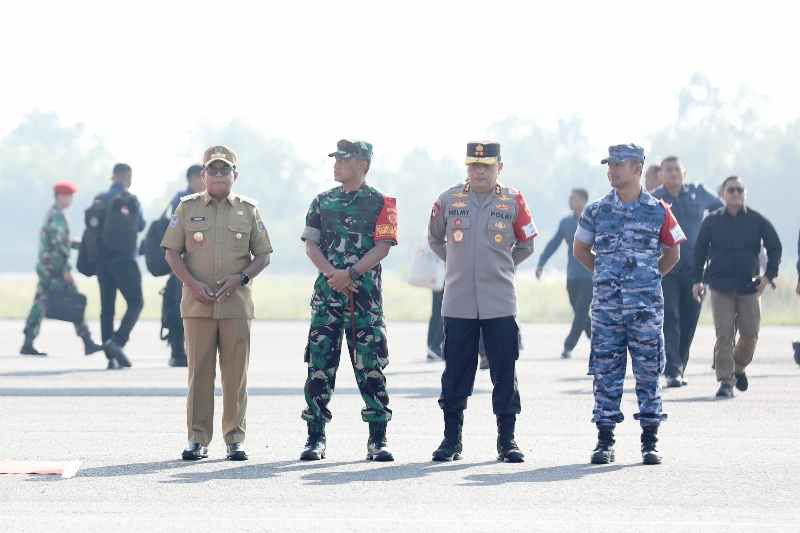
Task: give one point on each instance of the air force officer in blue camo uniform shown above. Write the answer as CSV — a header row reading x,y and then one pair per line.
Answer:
x,y
628,239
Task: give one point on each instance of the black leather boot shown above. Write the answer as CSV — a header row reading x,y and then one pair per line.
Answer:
x,y
28,349
450,449
650,455
315,445
507,449
376,445
603,453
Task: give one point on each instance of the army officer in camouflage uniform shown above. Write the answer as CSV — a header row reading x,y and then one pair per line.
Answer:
x,y
54,271
483,231
629,240
216,243
349,231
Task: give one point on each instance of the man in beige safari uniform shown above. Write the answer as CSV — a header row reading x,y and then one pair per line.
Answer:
x,y
215,244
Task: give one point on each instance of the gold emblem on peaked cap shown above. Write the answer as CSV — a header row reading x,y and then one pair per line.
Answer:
x,y
479,149
220,153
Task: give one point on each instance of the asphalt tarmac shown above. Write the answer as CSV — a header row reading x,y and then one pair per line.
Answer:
x,y
728,465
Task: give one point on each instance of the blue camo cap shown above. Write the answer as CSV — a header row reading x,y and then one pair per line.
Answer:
x,y
622,152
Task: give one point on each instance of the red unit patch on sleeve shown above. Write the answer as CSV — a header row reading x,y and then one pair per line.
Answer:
x,y
386,225
524,228
671,232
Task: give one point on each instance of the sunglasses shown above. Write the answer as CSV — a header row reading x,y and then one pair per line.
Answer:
x,y
219,171
732,190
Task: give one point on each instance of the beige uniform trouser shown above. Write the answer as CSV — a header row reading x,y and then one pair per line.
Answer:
x,y
734,312
204,338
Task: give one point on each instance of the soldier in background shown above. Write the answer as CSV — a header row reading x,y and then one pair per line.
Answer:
x,y
349,230
483,231
628,239
171,310
652,178
54,271
579,281
796,345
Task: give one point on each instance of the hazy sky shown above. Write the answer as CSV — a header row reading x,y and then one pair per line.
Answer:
x,y
147,77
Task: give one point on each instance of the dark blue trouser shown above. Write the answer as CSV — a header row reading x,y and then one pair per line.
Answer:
x,y
681,313
123,275
461,336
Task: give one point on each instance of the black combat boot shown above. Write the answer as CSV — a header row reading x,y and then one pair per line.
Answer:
x,y
315,445
376,445
507,449
28,349
603,453
89,346
450,449
650,455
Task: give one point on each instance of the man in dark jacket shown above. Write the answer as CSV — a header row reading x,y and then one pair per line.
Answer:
x,y
730,240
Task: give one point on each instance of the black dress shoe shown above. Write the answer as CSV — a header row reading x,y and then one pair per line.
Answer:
x,y
724,392
114,351
194,452
113,365
741,382
236,452
673,382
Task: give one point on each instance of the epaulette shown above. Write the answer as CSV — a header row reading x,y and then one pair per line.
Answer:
x,y
246,200
193,196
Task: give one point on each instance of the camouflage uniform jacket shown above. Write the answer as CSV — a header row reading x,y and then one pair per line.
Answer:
x,y
628,240
347,225
54,245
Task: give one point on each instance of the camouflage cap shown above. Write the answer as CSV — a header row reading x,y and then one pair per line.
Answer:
x,y
352,150
622,152
486,153
220,153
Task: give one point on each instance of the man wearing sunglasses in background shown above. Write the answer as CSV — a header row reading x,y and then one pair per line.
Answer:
x,y
215,244
730,240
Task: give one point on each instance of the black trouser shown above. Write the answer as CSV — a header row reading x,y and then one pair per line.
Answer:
x,y
580,298
681,312
501,336
435,327
123,275
171,316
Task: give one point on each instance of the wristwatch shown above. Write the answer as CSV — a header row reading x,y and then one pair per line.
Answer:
x,y
354,275
244,279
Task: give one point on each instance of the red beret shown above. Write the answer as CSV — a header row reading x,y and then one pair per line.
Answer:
x,y
65,187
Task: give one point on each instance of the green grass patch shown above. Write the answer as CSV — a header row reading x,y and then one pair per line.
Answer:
x,y
287,298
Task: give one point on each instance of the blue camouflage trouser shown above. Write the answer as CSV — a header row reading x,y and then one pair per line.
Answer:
x,y
619,327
